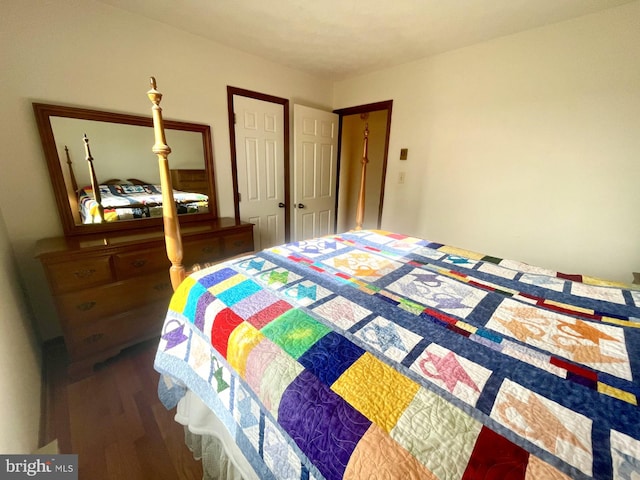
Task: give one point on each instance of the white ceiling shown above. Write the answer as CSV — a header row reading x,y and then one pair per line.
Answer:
x,y
336,39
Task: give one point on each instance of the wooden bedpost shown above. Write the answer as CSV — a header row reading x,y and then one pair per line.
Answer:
x,y
94,181
172,237
363,178
74,183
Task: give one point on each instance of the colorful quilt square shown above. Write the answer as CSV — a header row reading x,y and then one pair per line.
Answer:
x,y
305,293
180,296
461,252
597,345
460,261
324,426
273,311
254,303
276,377
295,331
362,265
457,375
255,265
330,356
564,433
224,322
261,356
315,247
241,341
241,290
495,457
376,389
388,338
175,336
216,276
427,423
378,456
278,278
407,243
437,291
341,312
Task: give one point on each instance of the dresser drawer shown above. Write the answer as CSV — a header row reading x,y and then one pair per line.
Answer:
x,y
136,264
201,251
74,275
116,331
238,243
93,303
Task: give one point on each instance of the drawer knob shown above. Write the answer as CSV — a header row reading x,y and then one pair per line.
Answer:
x,y
138,263
161,286
86,273
85,306
238,243
207,249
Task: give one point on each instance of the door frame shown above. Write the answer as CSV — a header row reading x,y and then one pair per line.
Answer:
x,y
231,91
359,109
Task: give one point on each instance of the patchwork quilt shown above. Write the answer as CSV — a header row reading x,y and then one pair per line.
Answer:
x,y
377,355
126,201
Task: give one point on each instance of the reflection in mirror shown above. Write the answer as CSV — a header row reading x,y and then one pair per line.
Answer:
x,y
125,168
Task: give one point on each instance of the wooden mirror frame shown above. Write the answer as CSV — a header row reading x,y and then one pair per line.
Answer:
x,y
44,112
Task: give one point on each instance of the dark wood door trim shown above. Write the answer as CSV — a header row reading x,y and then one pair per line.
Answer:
x,y
359,109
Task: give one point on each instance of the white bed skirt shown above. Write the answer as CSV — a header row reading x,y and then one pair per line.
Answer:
x,y
209,440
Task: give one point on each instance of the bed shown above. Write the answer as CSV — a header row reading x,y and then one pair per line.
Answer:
x,y
116,199
373,354
125,200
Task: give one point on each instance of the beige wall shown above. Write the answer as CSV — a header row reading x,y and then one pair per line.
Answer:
x,y
19,361
86,53
524,147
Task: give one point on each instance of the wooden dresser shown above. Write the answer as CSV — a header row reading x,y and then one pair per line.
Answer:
x,y
112,291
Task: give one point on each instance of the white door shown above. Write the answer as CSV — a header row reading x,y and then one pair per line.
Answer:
x,y
314,172
259,135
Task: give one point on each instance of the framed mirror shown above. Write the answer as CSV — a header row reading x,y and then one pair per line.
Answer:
x,y
125,168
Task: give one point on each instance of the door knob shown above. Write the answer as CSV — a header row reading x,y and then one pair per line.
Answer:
x,y
301,205
281,205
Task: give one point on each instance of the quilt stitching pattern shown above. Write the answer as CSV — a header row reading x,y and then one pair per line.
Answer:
x,y
460,346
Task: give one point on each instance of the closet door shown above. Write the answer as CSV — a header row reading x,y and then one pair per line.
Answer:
x,y
314,172
259,137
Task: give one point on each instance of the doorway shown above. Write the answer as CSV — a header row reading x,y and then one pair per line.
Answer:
x,y
259,138
376,117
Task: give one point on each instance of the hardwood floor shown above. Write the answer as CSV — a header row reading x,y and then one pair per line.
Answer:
x,y
113,419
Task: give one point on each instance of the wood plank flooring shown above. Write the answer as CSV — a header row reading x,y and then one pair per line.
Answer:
x,y
114,421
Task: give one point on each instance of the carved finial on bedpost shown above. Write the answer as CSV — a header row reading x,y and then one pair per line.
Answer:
x,y
363,178
94,181
172,237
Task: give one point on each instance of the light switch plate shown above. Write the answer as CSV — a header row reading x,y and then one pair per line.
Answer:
x,y
404,153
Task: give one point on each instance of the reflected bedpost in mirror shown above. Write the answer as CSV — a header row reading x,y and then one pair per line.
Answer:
x,y
125,169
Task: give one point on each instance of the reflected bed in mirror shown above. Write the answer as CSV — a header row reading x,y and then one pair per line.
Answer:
x,y
125,169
